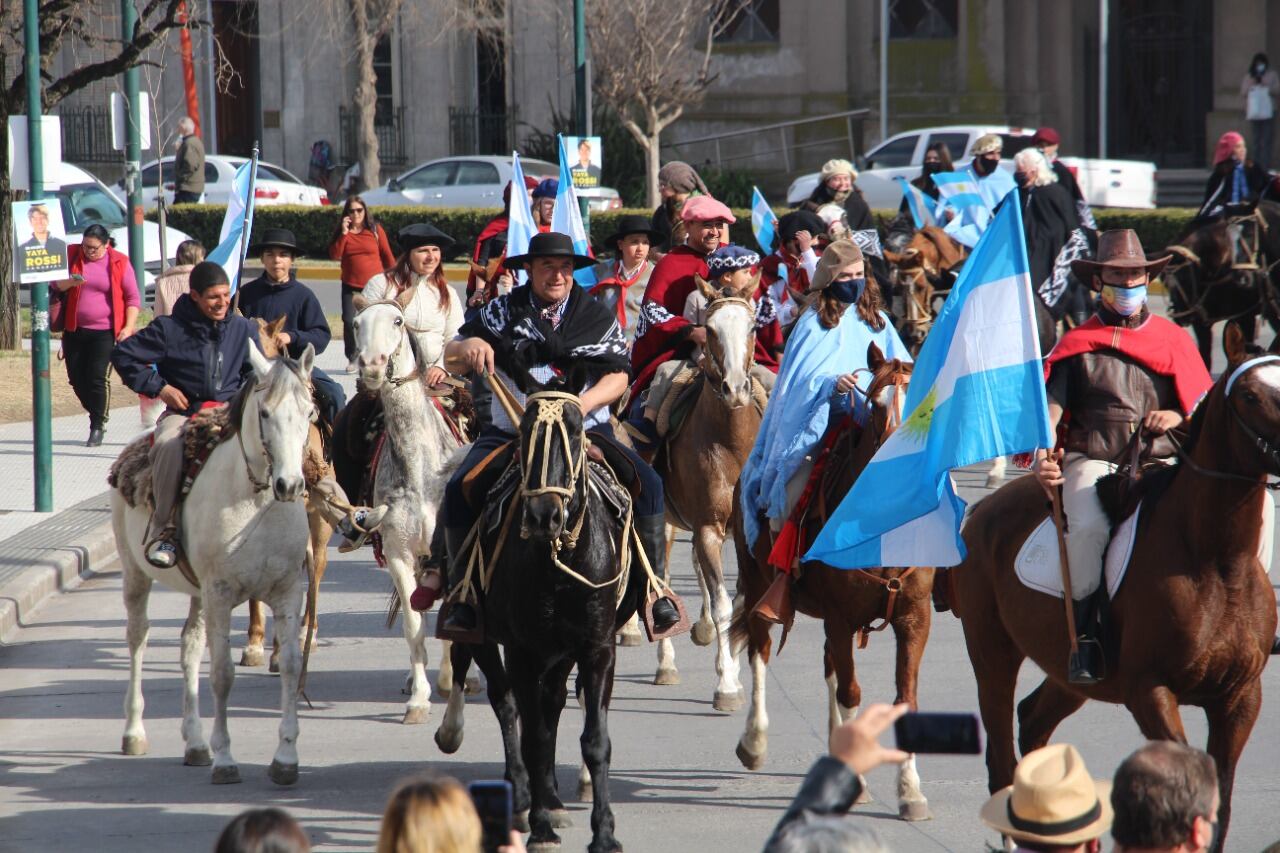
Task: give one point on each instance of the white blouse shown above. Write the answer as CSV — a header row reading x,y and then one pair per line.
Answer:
x,y
433,326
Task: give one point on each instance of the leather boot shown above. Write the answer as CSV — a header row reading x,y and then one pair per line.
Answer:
x,y
775,606
462,615
1085,665
652,531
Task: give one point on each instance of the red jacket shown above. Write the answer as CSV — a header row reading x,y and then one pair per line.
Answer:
x,y
117,263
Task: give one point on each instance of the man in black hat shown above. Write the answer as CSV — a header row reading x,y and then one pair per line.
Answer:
x,y
621,281
276,293
788,271
549,327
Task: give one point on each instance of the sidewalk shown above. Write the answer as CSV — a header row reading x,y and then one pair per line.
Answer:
x,y
41,553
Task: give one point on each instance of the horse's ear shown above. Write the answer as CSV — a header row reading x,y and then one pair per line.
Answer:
x,y
875,358
307,360
1233,343
276,326
261,364
893,257
404,297
359,302
705,288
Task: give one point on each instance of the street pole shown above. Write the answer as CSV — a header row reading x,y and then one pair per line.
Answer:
x,y
580,103
133,149
1103,38
41,398
884,70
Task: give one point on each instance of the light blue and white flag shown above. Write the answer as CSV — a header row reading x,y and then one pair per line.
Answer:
x,y
520,227
237,224
977,392
920,205
763,222
567,216
959,192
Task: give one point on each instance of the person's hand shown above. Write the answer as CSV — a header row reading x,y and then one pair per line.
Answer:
x,y
515,845
1048,469
476,298
846,383
857,742
504,284
173,398
1161,421
435,375
346,225
282,340
126,332
68,283
698,335
803,241
477,355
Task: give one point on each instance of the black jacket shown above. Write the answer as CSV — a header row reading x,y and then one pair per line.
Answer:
x,y
1048,218
1217,190
856,209
304,320
206,361
829,789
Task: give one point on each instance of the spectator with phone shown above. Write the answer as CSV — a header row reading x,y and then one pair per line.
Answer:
x,y
263,831
361,246
1259,88
435,815
1166,798
1053,805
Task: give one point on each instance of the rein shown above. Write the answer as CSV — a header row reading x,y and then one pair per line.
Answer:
x,y
1267,448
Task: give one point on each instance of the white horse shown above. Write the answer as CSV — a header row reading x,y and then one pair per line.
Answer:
x,y
420,455
244,532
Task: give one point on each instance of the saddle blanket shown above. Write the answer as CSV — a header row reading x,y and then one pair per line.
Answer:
x,y
1037,562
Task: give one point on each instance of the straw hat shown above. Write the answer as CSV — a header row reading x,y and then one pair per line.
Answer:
x,y
1052,800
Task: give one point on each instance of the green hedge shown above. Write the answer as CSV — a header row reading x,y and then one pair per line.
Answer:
x,y
314,225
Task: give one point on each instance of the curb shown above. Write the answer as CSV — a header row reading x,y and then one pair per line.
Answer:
x,y
55,569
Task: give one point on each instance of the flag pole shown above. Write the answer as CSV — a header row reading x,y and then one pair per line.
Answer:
x,y
244,227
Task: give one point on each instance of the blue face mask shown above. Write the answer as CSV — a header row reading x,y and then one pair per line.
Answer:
x,y
1125,301
848,291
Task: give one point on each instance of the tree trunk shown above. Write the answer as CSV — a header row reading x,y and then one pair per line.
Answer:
x,y
10,316
366,98
652,163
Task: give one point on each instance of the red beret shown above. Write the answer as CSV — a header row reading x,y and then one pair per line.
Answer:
x,y
1046,136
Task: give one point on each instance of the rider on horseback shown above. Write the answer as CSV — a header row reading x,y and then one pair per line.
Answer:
x,y
787,272
526,337
194,359
1123,370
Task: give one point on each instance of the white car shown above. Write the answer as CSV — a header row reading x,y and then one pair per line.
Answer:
x,y
471,182
85,200
1105,183
273,185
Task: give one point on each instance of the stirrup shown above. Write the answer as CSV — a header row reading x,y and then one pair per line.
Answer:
x,y
162,552
361,533
1086,665
467,636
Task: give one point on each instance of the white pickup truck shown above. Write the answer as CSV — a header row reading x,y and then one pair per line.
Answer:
x,y
1105,183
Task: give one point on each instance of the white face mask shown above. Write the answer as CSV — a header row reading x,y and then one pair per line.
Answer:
x,y
1259,67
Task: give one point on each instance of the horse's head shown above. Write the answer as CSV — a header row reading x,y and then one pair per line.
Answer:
x,y
886,392
1251,396
383,348
553,461
731,340
278,409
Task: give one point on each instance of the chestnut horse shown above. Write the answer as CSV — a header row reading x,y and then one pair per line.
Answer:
x,y
1192,623
926,268
847,602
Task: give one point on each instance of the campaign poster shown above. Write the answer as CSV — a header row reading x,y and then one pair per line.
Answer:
x,y
39,241
585,155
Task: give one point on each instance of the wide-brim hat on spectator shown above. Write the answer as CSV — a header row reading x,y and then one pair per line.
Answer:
x,y
1053,800
704,208
729,258
422,234
789,224
987,144
633,224
1121,250
835,257
549,244
275,238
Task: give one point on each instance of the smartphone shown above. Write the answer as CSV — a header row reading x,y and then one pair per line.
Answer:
x,y
493,803
946,733
76,277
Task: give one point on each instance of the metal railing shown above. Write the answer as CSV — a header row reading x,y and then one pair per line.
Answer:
x,y
481,132
786,134
86,136
390,131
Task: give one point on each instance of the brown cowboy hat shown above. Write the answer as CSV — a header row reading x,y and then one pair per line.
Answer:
x,y
1052,800
1121,250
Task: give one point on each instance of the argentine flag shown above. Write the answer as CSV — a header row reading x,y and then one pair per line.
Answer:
x,y
960,192
567,217
762,221
920,205
520,227
233,239
977,392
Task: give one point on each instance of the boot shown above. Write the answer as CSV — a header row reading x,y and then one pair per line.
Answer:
x,y
644,437
775,607
1085,665
652,530
358,524
462,617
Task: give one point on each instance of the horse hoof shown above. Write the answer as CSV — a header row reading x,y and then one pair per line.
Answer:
x,y
134,745
750,760
226,775
914,811
520,821
416,715
703,633
629,638
274,666
252,657
543,846
197,757
472,686
449,744
282,774
667,676
729,702
560,819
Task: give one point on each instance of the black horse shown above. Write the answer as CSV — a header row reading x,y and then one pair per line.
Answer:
x,y
553,601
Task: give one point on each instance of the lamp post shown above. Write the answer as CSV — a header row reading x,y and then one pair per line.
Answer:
x,y
41,399
581,100
133,147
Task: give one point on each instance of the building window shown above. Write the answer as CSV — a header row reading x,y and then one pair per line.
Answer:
x,y
923,19
384,85
758,21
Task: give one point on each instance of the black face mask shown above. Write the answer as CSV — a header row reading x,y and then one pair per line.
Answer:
x,y
1020,179
983,166
848,291
931,168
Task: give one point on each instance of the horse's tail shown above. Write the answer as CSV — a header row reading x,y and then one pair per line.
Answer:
x,y
738,625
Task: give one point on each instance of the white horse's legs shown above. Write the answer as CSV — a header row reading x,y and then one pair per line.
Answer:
x,y
196,753
912,804
400,566
995,477
286,614
838,714
217,616
707,545
667,672
137,590
444,678
704,629
630,634
753,746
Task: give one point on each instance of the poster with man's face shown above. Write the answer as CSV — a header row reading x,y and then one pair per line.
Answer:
x,y
39,241
585,160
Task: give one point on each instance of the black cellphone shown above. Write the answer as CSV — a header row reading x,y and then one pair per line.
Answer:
x,y
493,803
946,733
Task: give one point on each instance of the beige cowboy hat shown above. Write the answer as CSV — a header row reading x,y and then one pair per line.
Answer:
x,y
835,257
1120,249
1052,800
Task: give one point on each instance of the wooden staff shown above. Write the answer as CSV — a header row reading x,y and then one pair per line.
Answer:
x,y
1065,566
510,404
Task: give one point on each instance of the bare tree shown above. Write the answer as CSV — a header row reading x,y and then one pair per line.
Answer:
x,y
651,59
65,24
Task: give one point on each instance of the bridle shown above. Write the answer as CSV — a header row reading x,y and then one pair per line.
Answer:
x,y
549,427
899,380
405,328
264,483
1269,449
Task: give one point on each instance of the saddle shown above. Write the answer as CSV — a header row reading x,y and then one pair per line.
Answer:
x,y
679,402
130,474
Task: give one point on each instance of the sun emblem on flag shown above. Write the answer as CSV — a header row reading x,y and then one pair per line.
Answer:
x,y
917,425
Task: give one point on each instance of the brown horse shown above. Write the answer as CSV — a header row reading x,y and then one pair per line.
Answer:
x,y
700,466
847,602
924,273
1192,623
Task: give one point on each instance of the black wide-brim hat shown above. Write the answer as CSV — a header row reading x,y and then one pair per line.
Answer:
x,y
275,238
633,224
422,234
549,244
